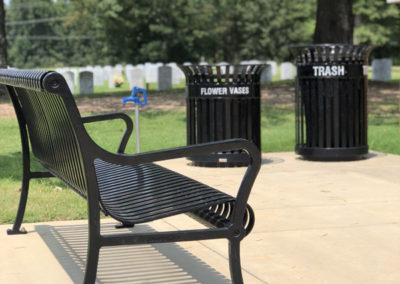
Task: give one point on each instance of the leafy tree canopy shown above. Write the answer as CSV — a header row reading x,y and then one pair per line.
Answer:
x,y
82,32
378,23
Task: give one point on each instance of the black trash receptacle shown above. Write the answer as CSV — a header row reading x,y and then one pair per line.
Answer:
x,y
331,101
223,102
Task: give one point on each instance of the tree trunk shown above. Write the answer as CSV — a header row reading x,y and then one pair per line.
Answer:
x,y
335,22
3,41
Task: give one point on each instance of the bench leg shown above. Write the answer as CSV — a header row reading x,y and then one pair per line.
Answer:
x,y
123,225
234,262
21,209
92,261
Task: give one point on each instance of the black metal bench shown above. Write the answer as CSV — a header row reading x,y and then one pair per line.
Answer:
x,y
129,188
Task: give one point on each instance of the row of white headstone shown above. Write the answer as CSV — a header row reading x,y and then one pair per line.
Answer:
x,y
287,70
164,76
382,69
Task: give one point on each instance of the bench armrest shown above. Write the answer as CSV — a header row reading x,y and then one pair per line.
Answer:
x,y
200,149
185,151
116,115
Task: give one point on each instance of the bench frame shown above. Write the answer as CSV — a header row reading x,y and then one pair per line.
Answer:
x,y
54,83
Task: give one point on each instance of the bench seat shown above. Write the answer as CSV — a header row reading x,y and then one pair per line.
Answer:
x,y
146,192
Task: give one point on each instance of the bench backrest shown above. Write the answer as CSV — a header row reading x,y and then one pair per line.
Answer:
x,y
44,103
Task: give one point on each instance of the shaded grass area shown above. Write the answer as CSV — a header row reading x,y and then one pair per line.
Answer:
x,y
396,73
384,127
277,128
50,199
278,131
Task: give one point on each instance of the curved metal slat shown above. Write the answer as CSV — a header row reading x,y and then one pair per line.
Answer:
x,y
328,53
215,74
148,192
27,79
52,134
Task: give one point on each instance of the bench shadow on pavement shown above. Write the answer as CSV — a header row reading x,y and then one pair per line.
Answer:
x,y
153,263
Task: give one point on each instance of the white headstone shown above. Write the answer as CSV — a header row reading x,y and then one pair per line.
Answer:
x,y
86,82
253,61
135,77
98,76
266,75
187,63
128,68
151,72
106,72
69,78
60,70
71,71
164,78
115,74
177,74
75,71
274,66
181,75
286,71
382,69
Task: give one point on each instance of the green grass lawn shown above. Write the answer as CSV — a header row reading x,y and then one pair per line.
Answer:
x,y
50,200
396,73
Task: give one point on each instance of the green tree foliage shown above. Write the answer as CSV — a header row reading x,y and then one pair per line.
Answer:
x,y
23,51
193,30
378,23
56,41
283,23
262,29
149,30
126,31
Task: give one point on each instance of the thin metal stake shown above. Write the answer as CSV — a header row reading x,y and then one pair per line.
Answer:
x,y
137,130
138,100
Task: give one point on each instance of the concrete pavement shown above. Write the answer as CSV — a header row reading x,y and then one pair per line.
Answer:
x,y
316,222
